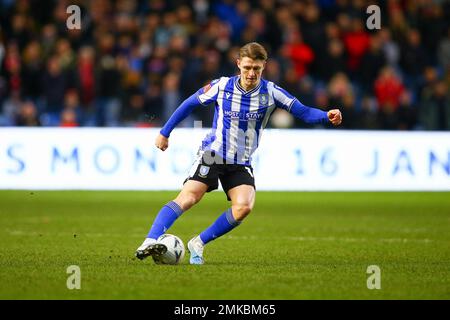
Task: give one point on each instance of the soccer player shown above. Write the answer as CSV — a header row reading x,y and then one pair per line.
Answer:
x,y
243,105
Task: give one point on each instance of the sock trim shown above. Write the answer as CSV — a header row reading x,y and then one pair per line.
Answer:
x,y
231,220
175,207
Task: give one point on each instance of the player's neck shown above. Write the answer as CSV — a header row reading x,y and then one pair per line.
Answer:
x,y
247,88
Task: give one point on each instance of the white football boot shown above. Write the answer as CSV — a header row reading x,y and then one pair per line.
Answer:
x,y
150,248
195,247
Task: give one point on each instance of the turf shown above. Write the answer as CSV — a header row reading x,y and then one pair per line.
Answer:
x,y
292,246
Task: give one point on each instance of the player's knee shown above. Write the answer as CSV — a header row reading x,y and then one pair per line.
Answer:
x,y
187,200
240,211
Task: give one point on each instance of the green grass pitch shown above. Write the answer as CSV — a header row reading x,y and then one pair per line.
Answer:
x,y
294,245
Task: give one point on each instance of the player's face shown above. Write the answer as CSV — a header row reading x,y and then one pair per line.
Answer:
x,y
251,71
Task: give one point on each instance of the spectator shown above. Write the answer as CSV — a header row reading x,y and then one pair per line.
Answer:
x,y
291,82
209,71
77,116
413,58
107,103
256,27
272,35
388,89
357,43
12,68
186,22
171,95
434,113
390,48
233,14
368,116
68,119
397,22
338,88
48,39
134,115
85,75
307,96
20,32
332,61
299,53
272,71
27,116
65,54
444,51
154,104
430,78
32,71
312,27
341,93
432,27
55,83
229,65
372,62
406,112
11,108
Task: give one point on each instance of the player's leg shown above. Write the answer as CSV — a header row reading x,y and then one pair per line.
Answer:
x,y
238,183
242,202
191,193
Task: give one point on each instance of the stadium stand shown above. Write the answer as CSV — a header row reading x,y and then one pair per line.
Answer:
x,y
133,62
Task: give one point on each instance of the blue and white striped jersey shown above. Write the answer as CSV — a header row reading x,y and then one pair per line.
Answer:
x,y
240,116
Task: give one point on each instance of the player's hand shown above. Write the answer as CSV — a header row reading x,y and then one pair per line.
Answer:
x,y
335,116
162,142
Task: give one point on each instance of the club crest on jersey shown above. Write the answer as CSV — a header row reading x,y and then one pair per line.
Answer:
x,y
264,99
203,172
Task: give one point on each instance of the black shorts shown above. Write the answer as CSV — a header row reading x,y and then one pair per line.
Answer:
x,y
210,172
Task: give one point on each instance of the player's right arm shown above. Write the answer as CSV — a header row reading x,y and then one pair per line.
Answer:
x,y
185,109
162,142
204,96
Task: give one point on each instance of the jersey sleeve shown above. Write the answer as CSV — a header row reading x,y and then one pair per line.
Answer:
x,y
288,102
281,97
184,110
208,93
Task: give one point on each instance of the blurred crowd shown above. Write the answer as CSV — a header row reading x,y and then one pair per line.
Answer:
x,y
133,62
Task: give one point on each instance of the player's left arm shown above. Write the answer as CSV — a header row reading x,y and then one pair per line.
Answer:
x,y
335,116
314,115
311,115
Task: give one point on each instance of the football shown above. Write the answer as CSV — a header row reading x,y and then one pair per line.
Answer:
x,y
175,250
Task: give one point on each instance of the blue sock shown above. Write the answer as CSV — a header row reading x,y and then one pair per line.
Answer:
x,y
164,220
225,223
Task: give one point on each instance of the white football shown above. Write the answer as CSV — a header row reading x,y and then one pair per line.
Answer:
x,y
175,250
